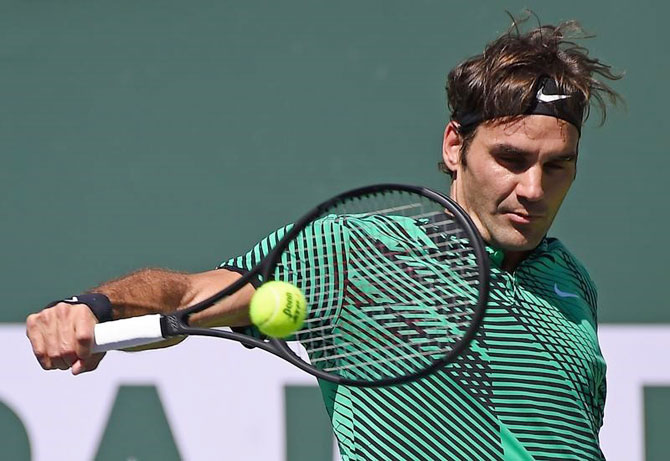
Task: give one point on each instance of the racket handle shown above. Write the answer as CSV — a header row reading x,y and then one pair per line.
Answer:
x,y
134,331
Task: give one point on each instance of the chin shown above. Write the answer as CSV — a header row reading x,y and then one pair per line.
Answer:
x,y
517,242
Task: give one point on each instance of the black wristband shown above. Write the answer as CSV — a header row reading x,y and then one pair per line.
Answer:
x,y
99,304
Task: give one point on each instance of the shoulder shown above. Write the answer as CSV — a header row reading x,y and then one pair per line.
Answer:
x,y
559,251
570,269
374,225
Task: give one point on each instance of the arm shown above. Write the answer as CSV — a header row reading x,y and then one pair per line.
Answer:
x,y
62,335
151,291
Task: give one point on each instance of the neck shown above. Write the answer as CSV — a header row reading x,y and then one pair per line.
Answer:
x,y
513,259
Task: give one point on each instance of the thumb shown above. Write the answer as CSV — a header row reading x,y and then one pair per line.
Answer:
x,y
88,364
78,367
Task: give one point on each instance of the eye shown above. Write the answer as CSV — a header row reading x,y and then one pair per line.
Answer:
x,y
560,164
512,162
556,166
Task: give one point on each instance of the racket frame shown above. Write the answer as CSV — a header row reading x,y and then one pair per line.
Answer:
x,y
177,323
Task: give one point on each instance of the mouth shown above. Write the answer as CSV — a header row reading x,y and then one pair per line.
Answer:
x,y
522,217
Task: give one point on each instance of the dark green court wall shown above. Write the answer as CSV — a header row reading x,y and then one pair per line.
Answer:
x,y
139,133
309,435
137,428
13,437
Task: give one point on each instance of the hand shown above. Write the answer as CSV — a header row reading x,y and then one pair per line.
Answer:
x,y
62,337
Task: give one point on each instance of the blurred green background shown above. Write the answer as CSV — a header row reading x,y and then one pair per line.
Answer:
x,y
136,133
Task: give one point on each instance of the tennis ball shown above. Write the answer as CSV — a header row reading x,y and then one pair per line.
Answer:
x,y
278,309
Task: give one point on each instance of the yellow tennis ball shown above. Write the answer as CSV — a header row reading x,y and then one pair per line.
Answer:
x,y
278,309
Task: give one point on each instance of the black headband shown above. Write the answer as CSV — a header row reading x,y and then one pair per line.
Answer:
x,y
548,100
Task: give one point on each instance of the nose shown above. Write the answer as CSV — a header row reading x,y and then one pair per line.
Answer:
x,y
529,186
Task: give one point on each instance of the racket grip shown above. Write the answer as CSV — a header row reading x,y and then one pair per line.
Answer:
x,y
134,331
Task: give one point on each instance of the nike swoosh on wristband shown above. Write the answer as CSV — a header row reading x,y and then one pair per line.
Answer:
x,y
564,294
549,97
73,299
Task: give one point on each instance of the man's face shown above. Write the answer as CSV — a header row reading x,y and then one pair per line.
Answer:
x,y
515,177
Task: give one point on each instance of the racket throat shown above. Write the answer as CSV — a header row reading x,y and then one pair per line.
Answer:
x,y
173,325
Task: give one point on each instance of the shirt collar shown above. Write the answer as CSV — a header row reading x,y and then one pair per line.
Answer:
x,y
497,255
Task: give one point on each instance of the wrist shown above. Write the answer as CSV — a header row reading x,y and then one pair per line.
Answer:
x,y
99,304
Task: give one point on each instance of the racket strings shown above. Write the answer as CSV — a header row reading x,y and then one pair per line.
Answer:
x,y
327,323
438,338
318,342
314,291
465,276
392,358
466,270
399,307
415,256
391,288
416,250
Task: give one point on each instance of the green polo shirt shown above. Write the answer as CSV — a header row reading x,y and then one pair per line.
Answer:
x,y
531,386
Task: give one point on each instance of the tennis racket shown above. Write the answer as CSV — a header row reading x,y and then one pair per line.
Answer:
x,y
396,280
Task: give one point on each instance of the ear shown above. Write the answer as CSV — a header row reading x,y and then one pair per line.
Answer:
x,y
451,147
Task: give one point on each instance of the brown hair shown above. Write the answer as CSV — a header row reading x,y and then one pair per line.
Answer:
x,y
499,84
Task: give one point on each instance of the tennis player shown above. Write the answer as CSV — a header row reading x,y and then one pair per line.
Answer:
x,y
532,384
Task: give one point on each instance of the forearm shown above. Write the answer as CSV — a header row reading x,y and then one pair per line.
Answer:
x,y
230,311
146,291
62,335
149,291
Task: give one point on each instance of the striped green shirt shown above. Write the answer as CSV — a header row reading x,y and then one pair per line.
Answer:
x,y
531,386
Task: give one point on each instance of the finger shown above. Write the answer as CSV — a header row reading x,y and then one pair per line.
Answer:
x,y
68,357
67,351
50,333
78,367
84,325
35,335
46,337
65,335
90,364
59,363
60,336
55,351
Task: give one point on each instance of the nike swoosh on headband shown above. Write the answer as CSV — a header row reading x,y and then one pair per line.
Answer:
x,y
554,104
564,294
542,97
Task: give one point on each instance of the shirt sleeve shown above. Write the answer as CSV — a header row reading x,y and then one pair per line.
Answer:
x,y
245,263
600,403
315,261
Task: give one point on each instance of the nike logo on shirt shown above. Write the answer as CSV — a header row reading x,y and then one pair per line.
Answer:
x,y
564,294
